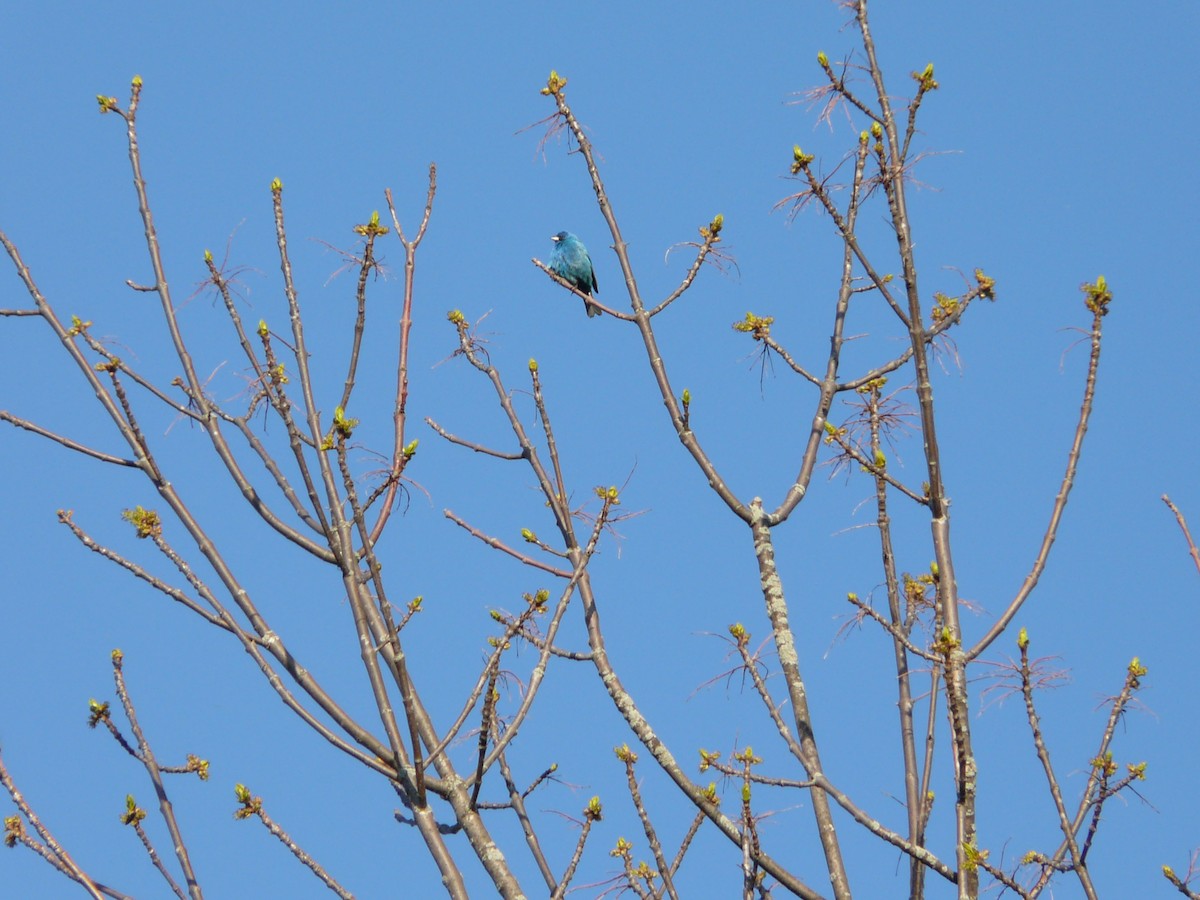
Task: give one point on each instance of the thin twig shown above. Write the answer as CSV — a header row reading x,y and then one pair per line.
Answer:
x,y
147,758
55,853
1060,501
252,806
1187,535
6,416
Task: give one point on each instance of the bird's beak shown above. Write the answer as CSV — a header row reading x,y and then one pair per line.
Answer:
x,y
554,237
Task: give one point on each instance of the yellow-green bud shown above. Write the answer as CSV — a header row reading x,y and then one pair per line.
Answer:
x,y
926,79
822,59
554,83
343,424
276,185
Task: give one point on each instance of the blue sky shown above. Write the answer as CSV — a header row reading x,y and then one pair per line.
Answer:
x,y
1059,145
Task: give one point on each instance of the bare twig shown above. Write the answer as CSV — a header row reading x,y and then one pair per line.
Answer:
x,y
1060,501
52,851
1187,534
253,806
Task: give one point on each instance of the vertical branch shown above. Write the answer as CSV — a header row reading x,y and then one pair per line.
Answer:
x,y
846,228
161,287
399,414
297,440
338,532
386,635
146,755
592,813
487,721
367,264
517,801
628,757
892,166
904,703
785,645
926,792
749,831
551,445
339,535
1043,754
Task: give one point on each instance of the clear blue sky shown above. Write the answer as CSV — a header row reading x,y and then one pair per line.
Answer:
x,y
1063,136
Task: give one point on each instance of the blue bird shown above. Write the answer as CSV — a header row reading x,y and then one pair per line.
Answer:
x,y
571,261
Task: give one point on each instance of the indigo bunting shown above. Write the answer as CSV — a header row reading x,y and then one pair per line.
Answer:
x,y
571,261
